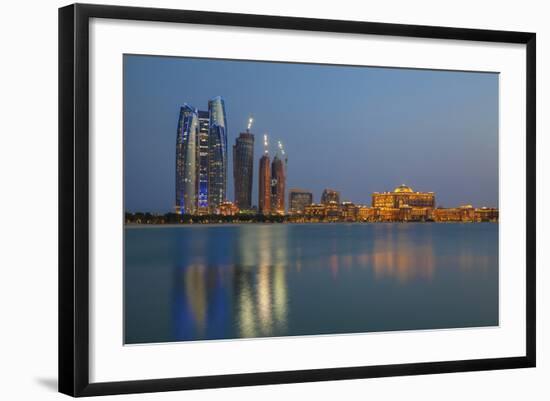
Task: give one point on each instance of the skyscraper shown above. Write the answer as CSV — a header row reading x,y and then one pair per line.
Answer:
x,y
204,127
278,183
330,195
298,199
217,153
264,187
186,160
243,164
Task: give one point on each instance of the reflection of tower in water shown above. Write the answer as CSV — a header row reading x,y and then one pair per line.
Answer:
x,y
200,302
260,282
195,288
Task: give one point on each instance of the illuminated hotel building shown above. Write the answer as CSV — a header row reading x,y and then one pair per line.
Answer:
x,y
264,187
466,213
349,212
243,164
315,212
403,196
278,182
186,160
332,211
228,209
485,214
217,153
330,195
298,199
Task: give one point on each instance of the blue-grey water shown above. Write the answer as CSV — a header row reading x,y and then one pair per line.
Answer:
x,y
206,282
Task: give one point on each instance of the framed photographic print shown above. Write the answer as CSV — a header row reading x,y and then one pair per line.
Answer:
x,y
249,199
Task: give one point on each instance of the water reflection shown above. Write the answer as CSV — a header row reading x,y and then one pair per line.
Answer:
x,y
396,254
255,285
260,281
200,302
195,288
275,280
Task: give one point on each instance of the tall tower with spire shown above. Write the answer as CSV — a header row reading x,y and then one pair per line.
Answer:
x,y
243,166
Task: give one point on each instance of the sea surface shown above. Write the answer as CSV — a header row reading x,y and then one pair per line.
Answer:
x,y
208,282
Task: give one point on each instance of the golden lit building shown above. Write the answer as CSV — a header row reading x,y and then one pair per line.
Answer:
x,y
228,209
486,214
389,214
401,196
466,213
332,211
447,214
349,211
363,213
421,214
315,212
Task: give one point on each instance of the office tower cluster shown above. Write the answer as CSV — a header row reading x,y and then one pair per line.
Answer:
x,y
201,166
201,158
272,180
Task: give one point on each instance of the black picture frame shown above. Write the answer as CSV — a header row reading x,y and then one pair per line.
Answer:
x,y
74,198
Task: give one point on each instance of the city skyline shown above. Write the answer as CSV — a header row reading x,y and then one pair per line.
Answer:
x,y
355,182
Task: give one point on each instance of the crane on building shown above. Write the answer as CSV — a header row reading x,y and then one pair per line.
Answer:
x,y
266,144
282,149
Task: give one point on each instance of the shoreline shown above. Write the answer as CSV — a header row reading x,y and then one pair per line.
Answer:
x,y
217,224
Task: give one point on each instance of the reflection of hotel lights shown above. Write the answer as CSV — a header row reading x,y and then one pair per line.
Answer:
x,y
334,265
402,259
195,287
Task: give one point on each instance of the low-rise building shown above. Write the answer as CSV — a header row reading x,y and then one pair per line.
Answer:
x,y
228,209
486,214
349,212
315,212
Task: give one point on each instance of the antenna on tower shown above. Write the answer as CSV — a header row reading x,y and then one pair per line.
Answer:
x,y
266,144
250,121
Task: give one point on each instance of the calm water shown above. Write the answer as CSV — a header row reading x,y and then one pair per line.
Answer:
x,y
234,281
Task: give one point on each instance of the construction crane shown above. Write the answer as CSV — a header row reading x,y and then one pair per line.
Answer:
x,y
266,144
281,148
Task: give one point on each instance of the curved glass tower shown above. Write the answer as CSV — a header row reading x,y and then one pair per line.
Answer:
x,y
186,160
204,129
217,153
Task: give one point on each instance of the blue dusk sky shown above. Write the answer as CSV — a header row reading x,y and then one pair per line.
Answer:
x,y
358,130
